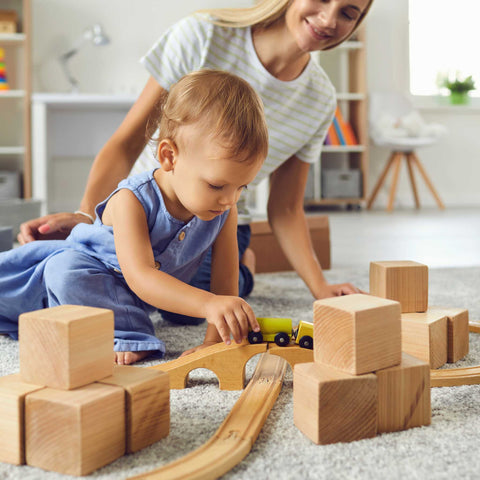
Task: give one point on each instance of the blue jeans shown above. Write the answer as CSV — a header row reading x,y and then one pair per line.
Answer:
x,y
202,278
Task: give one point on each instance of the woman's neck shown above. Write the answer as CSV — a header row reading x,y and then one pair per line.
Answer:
x,y
278,51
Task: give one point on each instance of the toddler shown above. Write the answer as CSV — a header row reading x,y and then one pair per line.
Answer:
x,y
152,233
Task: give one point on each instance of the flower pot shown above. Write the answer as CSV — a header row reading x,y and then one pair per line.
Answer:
x,y
459,98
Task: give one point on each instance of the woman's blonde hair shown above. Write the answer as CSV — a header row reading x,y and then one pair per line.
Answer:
x,y
224,103
263,14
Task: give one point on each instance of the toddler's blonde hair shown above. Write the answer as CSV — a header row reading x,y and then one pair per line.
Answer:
x,y
224,103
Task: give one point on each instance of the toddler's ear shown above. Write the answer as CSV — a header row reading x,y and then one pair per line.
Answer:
x,y
167,153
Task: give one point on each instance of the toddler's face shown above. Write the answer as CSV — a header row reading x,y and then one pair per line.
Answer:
x,y
205,181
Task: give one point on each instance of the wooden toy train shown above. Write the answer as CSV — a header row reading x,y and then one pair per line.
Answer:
x,y
280,331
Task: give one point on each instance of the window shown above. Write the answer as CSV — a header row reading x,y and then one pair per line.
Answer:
x,y
443,39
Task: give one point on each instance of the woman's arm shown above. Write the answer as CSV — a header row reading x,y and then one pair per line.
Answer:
x,y
287,219
112,164
229,314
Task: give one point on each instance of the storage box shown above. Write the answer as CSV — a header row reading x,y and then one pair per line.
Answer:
x,y
341,184
9,184
8,21
269,255
6,238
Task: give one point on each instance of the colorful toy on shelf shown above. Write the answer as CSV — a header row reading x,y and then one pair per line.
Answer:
x,y
3,71
280,331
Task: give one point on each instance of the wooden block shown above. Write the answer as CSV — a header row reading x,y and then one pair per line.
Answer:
x,y
403,281
66,347
404,395
269,255
457,327
8,21
425,336
332,406
357,333
74,432
12,414
147,404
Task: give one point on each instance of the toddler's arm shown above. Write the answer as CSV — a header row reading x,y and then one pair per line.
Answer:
x,y
230,314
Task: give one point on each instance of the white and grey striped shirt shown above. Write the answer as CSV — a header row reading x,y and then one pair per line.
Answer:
x,y
298,112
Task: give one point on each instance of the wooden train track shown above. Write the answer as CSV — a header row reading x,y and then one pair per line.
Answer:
x,y
234,439
228,362
454,377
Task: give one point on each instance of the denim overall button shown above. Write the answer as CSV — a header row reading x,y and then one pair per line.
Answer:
x,y
181,236
158,265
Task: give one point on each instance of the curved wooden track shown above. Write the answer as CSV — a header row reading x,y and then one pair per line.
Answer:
x,y
454,377
234,439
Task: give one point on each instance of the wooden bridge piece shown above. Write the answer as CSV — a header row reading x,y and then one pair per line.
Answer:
x,y
227,362
234,439
292,353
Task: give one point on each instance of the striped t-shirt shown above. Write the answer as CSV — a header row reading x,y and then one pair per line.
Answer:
x,y
298,112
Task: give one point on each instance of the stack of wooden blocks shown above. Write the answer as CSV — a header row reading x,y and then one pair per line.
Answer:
x,y
360,382
70,410
435,334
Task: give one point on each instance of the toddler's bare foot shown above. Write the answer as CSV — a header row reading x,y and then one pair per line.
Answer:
x,y
127,358
249,260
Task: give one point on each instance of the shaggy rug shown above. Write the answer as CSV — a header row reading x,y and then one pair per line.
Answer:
x,y
446,449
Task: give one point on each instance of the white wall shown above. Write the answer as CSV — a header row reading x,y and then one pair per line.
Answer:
x,y
133,25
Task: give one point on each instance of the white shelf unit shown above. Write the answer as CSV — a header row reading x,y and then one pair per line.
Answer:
x,y
346,67
15,116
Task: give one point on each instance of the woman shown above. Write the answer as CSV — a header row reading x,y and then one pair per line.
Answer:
x,y
269,45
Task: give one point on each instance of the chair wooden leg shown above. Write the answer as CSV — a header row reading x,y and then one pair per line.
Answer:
x,y
427,181
393,187
380,180
410,162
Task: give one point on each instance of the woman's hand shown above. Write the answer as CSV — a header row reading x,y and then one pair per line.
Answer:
x,y
56,226
337,290
231,316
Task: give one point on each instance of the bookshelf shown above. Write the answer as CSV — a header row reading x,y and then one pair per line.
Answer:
x,y
344,168
15,134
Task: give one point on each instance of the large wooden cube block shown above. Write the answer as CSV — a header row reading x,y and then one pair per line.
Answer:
x,y
12,415
403,281
74,432
66,347
425,336
404,395
457,328
147,404
331,406
357,333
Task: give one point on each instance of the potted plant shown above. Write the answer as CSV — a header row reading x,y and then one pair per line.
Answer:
x,y
458,87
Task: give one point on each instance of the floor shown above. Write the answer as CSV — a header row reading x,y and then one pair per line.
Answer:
x,y
448,238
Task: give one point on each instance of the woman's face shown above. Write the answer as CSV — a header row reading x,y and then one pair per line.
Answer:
x,y
320,24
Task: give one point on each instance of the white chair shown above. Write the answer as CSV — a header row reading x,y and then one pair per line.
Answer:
x,y
395,124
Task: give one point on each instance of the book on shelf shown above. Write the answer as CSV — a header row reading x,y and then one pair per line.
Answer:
x,y
340,131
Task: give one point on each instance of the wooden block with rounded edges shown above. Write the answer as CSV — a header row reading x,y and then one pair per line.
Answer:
x,y
425,336
331,406
66,347
403,281
147,404
457,327
74,432
404,395
12,415
357,333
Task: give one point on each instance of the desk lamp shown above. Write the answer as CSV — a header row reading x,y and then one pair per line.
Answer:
x,y
93,34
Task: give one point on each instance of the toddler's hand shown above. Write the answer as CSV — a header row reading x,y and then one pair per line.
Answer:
x,y
231,315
